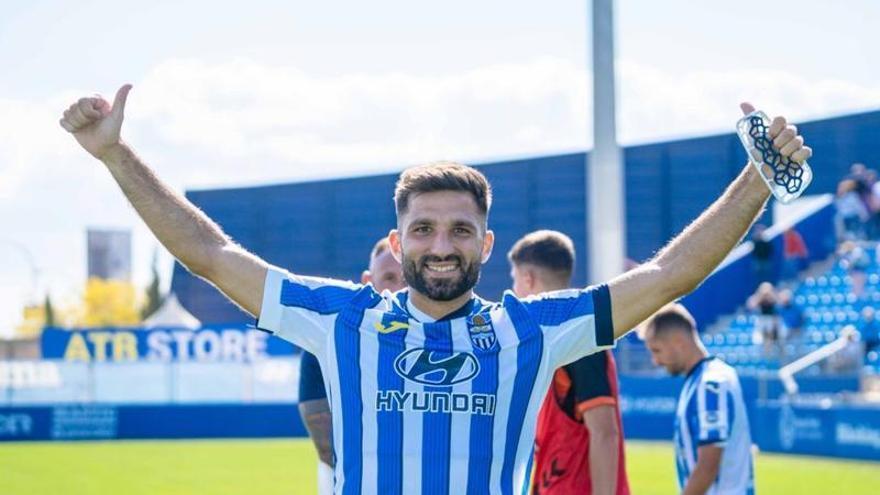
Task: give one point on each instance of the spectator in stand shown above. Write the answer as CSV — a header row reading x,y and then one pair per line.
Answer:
x,y
859,173
854,259
869,329
768,325
849,359
792,321
872,202
851,212
762,254
794,253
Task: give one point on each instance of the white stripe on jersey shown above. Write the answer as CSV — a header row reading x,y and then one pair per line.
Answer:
x,y
331,379
412,424
461,423
369,360
506,364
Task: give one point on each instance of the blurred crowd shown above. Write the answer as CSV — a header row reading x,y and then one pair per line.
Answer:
x,y
858,205
779,319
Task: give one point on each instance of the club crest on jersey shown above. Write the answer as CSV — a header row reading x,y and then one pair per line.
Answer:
x,y
481,331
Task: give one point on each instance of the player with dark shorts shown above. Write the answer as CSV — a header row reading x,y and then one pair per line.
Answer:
x,y
314,408
579,438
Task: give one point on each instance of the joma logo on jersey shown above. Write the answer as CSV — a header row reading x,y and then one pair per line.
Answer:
x,y
436,368
392,326
481,332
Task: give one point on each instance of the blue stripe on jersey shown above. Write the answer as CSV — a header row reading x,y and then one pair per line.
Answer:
x,y
482,426
390,423
348,348
528,360
596,301
680,468
731,414
684,430
711,402
436,426
602,311
398,304
712,389
551,311
324,300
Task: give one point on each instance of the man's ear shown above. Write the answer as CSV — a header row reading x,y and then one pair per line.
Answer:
x,y
366,277
488,245
396,247
531,278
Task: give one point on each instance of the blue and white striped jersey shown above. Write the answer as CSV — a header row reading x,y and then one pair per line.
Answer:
x,y
433,407
711,411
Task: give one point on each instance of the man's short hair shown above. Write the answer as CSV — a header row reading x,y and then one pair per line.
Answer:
x,y
442,176
549,250
672,317
381,246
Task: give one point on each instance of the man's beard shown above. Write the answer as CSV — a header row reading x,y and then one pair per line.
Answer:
x,y
443,289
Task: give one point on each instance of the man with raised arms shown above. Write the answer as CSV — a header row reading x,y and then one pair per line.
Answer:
x,y
432,390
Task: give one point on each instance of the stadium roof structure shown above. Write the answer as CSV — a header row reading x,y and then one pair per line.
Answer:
x,y
327,228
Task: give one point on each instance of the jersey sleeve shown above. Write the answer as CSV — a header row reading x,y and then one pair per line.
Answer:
x,y
714,411
590,383
302,309
575,323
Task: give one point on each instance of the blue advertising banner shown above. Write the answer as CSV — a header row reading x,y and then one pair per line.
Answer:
x,y
206,344
106,422
845,430
826,428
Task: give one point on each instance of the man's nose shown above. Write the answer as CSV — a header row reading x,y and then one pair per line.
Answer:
x,y
442,245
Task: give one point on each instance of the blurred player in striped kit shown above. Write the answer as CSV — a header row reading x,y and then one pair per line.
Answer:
x,y
385,274
713,447
579,438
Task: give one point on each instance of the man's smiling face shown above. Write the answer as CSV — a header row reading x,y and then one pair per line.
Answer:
x,y
444,242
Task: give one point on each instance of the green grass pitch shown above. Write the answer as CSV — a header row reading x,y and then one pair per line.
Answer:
x,y
288,467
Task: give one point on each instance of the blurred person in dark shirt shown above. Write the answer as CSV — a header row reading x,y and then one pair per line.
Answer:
x,y
762,254
869,329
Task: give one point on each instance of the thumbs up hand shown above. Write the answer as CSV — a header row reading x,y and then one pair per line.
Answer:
x,y
95,124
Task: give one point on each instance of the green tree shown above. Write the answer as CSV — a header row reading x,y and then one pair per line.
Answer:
x,y
49,312
154,297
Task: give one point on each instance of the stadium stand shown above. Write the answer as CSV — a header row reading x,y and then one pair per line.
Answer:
x,y
324,227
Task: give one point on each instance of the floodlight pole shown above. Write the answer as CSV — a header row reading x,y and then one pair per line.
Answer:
x,y
606,225
29,257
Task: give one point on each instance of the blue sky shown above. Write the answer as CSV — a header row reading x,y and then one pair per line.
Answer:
x,y
240,93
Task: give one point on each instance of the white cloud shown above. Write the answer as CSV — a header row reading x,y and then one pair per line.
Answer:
x,y
243,110
655,105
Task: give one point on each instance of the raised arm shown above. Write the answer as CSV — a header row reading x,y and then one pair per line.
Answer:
x,y
191,237
687,260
